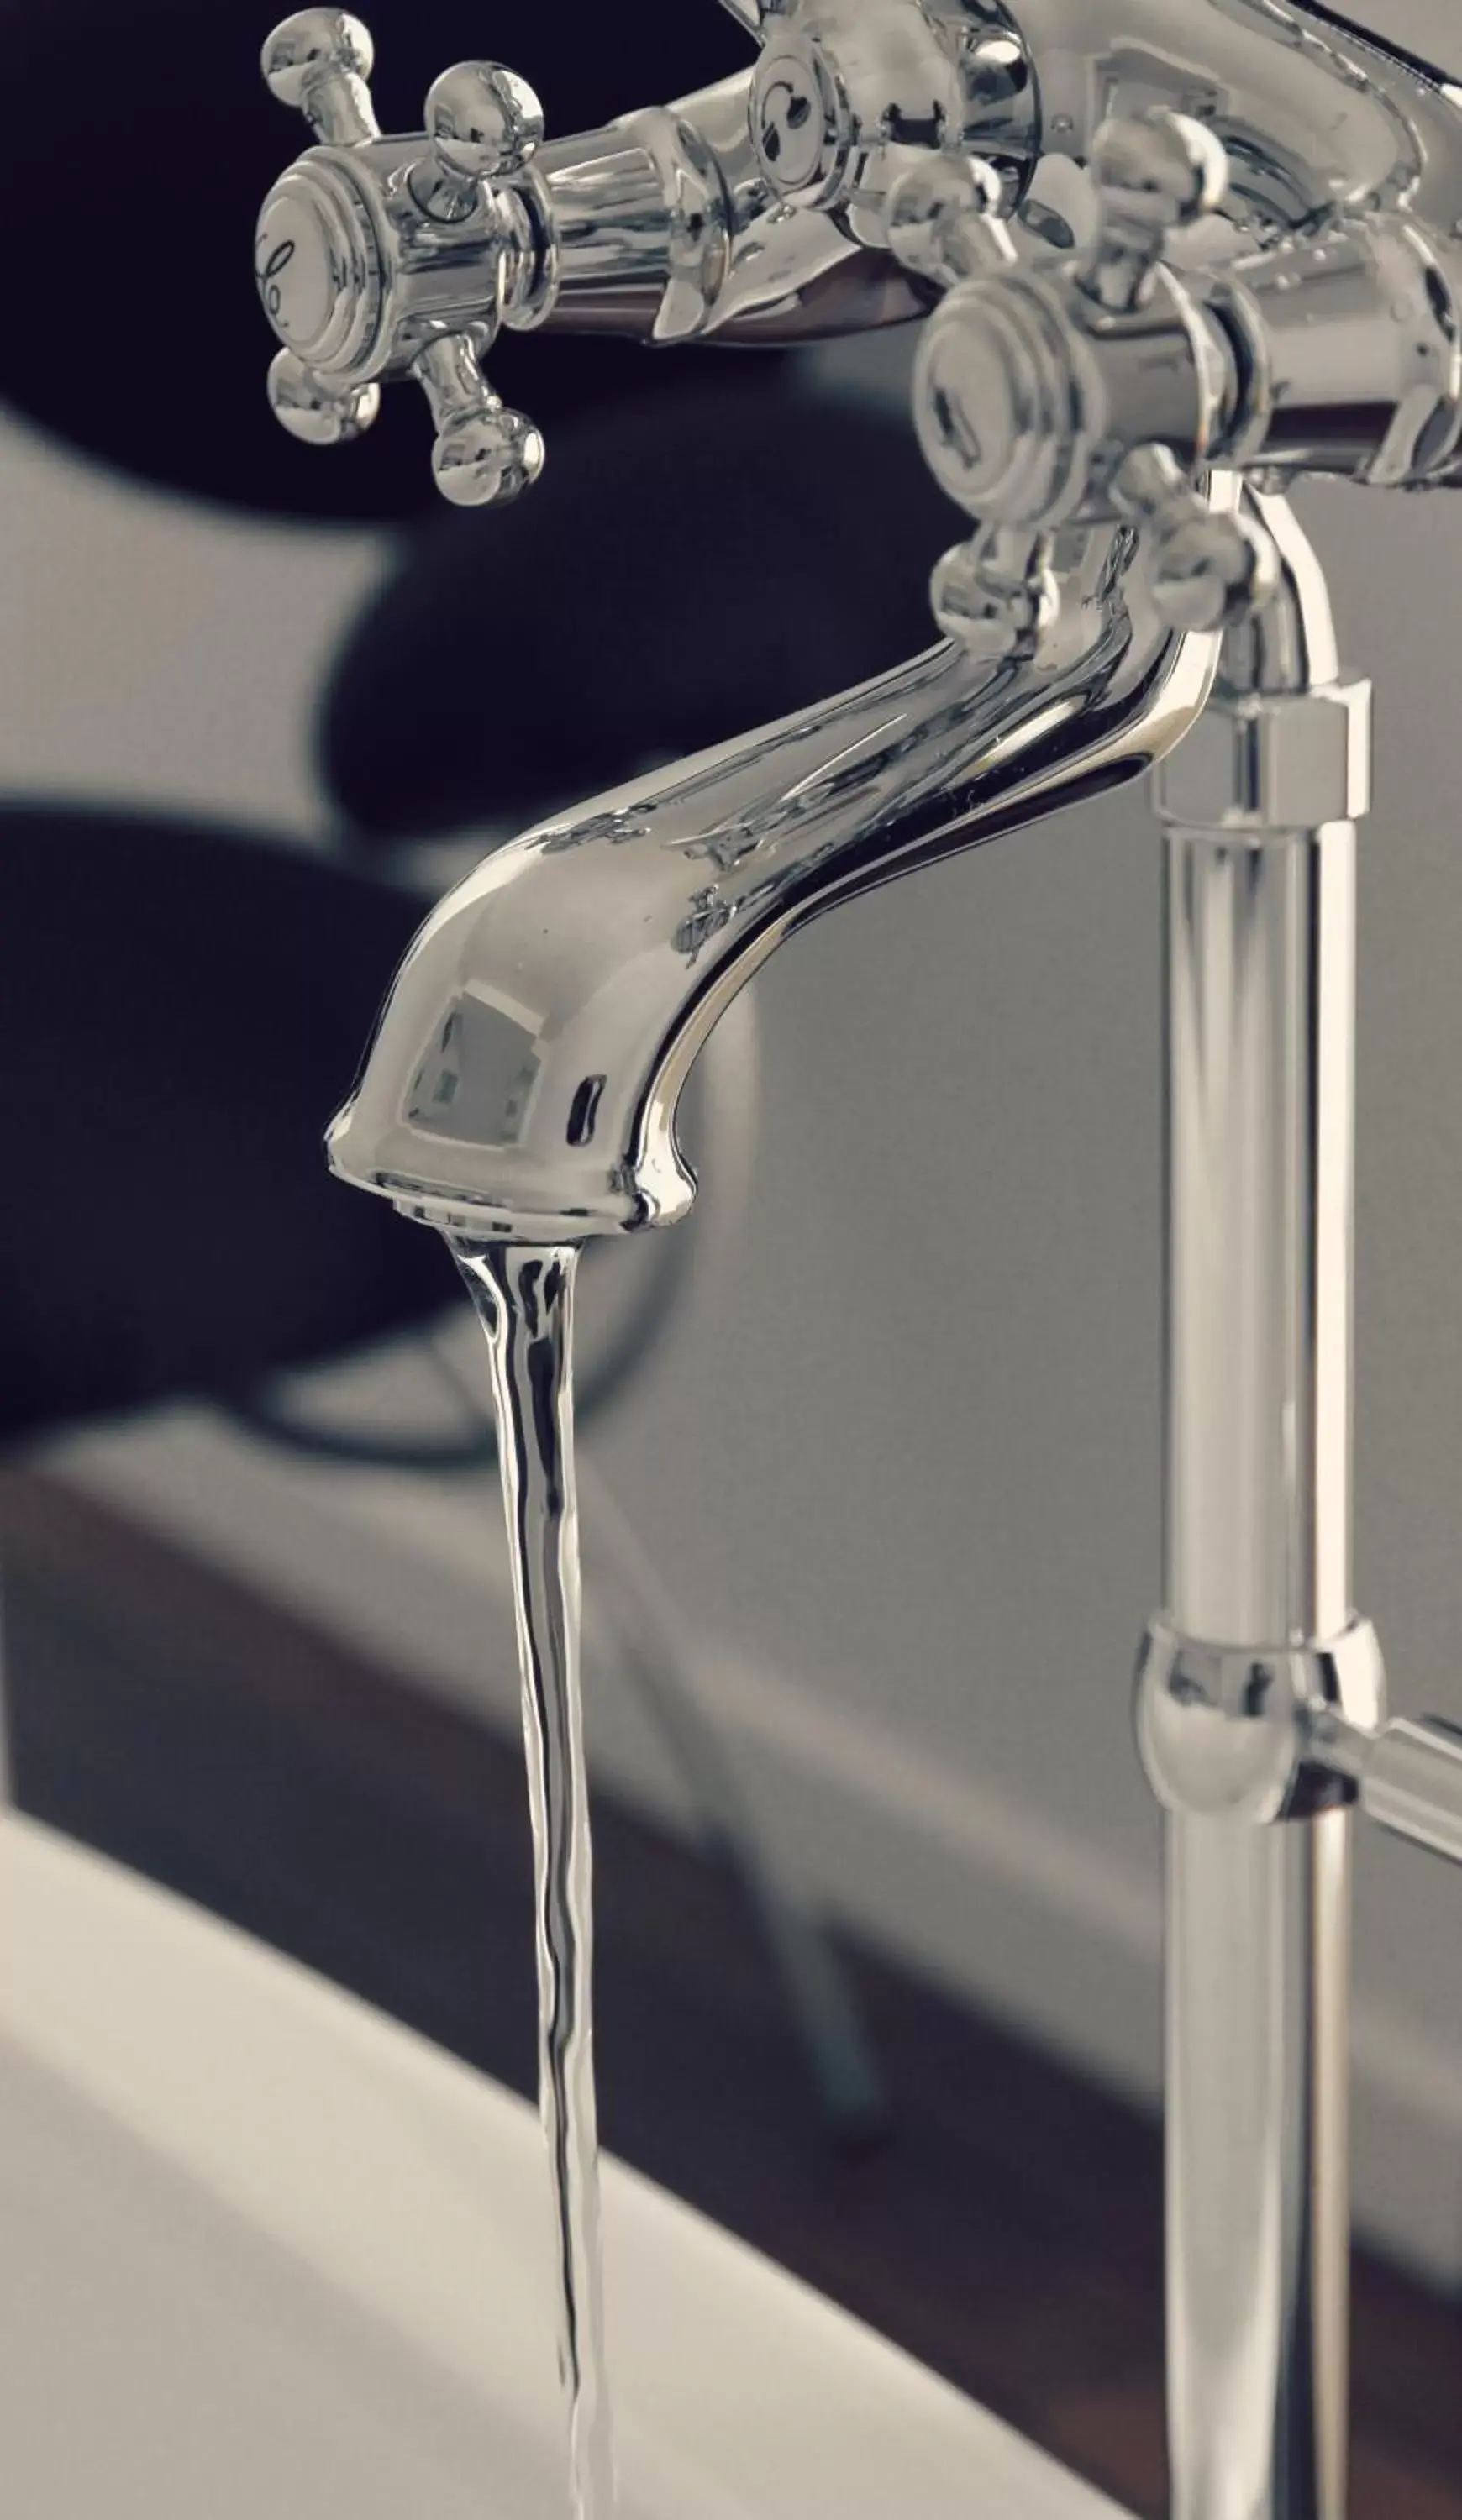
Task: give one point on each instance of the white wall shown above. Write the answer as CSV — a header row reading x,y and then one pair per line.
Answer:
x,y
903,1478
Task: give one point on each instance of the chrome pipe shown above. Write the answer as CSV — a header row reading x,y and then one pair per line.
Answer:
x,y
1261,961
1260,948
1257,2167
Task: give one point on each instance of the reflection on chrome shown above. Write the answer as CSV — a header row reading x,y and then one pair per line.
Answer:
x,y
1168,255
524,1079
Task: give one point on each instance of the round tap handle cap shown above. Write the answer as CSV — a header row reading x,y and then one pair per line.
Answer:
x,y
1212,573
942,218
483,459
482,121
315,412
1162,171
320,62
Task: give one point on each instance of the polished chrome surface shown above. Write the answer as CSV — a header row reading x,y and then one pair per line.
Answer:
x,y
1411,1783
1089,386
1249,1732
1341,151
672,219
1258,2149
1262,943
1260,1200
761,209
524,1080
1268,1733
1319,118
1044,391
1158,246
844,95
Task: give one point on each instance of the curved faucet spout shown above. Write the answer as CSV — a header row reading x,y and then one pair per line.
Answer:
x,y
523,1082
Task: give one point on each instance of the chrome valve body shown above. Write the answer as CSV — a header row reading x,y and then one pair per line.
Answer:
x,y
1317,287
752,211
844,99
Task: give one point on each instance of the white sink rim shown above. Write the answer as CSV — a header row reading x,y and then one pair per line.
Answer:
x,y
412,2188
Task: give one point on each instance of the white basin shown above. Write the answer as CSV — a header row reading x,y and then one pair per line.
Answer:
x,y
266,2256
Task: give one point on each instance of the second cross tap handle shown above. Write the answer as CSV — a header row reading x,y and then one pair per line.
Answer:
x,y
1090,388
380,257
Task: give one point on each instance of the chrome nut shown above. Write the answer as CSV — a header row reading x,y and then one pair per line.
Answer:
x,y
1287,761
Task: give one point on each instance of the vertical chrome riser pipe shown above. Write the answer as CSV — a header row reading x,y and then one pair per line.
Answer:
x,y
1260,962
1260,863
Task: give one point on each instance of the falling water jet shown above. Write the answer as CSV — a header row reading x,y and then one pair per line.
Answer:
x,y
524,1297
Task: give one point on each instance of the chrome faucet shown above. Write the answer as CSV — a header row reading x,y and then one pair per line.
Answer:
x,y
1168,255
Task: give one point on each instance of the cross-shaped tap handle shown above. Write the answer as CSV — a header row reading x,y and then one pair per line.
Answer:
x,y
1080,389
378,257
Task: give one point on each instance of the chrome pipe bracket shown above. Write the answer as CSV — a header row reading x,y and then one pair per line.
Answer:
x,y
1270,1734
1248,1732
